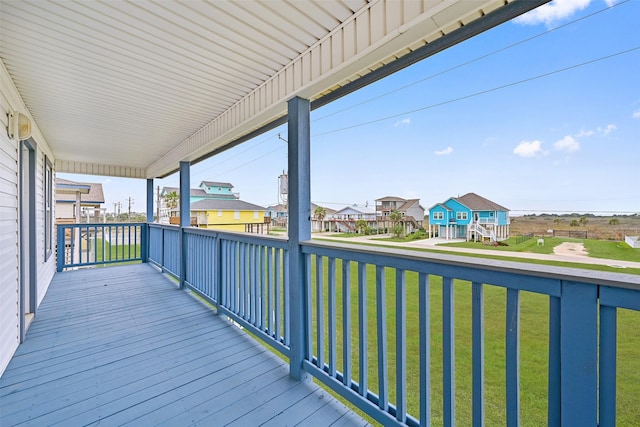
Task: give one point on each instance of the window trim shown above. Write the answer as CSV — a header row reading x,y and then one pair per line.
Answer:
x,y
462,216
48,208
438,216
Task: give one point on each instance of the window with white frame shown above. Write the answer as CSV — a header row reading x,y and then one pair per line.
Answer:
x,y
462,216
236,215
438,215
256,215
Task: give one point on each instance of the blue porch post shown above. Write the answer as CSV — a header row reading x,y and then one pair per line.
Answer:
x,y
185,215
144,251
299,226
150,200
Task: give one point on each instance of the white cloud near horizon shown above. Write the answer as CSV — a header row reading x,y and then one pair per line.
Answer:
x,y
444,152
600,131
568,143
552,12
528,148
403,122
636,114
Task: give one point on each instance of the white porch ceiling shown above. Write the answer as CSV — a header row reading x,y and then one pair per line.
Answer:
x,y
132,88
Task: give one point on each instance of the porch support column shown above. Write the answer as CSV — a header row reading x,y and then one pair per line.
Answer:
x,y
185,216
299,228
145,237
149,200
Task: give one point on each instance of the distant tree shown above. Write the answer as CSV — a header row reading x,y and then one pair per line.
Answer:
x,y
557,220
171,199
396,216
583,220
320,213
362,226
614,221
574,223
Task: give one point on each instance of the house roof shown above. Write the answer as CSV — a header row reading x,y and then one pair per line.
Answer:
x,y
224,205
390,199
441,205
359,209
90,192
216,184
142,86
408,204
329,211
198,192
479,203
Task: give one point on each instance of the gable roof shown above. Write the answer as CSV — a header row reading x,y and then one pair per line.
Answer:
x,y
390,199
359,209
224,205
441,205
91,192
409,204
197,192
479,203
216,184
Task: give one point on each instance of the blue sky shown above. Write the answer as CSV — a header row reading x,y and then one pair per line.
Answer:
x,y
539,114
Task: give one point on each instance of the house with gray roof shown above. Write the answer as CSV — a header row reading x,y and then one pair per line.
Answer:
x,y
72,198
470,217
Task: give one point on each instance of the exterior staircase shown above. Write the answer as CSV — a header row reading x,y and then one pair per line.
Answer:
x,y
483,232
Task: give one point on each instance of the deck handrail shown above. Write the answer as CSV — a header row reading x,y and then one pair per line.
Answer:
x,y
356,302
80,245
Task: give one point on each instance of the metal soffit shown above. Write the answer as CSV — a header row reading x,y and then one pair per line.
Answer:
x,y
131,88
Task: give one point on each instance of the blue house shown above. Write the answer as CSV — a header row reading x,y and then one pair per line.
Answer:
x,y
470,217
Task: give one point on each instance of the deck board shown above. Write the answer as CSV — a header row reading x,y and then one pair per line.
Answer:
x,y
122,345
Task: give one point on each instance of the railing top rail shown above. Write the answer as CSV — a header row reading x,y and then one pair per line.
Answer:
x,y
409,259
273,241
100,224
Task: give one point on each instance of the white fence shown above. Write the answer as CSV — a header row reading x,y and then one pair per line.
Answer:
x,y
633,241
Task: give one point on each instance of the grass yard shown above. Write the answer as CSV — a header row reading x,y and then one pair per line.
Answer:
x,y
606,249
533,347
107,252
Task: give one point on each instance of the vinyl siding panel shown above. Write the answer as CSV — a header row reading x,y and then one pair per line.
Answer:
x,y
9,223
9,326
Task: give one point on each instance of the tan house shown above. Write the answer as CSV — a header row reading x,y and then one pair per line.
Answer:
x,y
79,202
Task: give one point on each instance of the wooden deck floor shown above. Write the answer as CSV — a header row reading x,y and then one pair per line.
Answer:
x,y
122,345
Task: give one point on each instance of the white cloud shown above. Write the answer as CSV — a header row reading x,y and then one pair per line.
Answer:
x,y
552,12
600,131
636,115
584,133
444,152
403,122
528,148
610,3
606,131
568,143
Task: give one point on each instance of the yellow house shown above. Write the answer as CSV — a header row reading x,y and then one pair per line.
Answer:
x,y
230,215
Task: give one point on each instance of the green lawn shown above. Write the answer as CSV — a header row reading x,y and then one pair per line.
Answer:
x,y
533,347
112,252
597,248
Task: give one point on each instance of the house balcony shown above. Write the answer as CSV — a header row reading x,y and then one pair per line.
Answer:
x,y
162,342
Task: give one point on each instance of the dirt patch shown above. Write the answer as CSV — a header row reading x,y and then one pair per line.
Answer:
x,y
570,249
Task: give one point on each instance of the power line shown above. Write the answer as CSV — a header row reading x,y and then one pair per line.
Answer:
x,y
482,92
477,59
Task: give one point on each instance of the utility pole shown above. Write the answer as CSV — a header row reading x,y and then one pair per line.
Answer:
x,y
130,200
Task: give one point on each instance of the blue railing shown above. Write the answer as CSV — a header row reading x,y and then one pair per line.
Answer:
x,y
100,244
410,338
243,276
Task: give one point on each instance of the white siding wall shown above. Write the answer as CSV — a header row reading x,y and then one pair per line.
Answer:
x,y
9,326
9,216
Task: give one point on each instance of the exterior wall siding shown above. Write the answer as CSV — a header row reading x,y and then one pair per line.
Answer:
x,y
9,223
9,285
228,221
